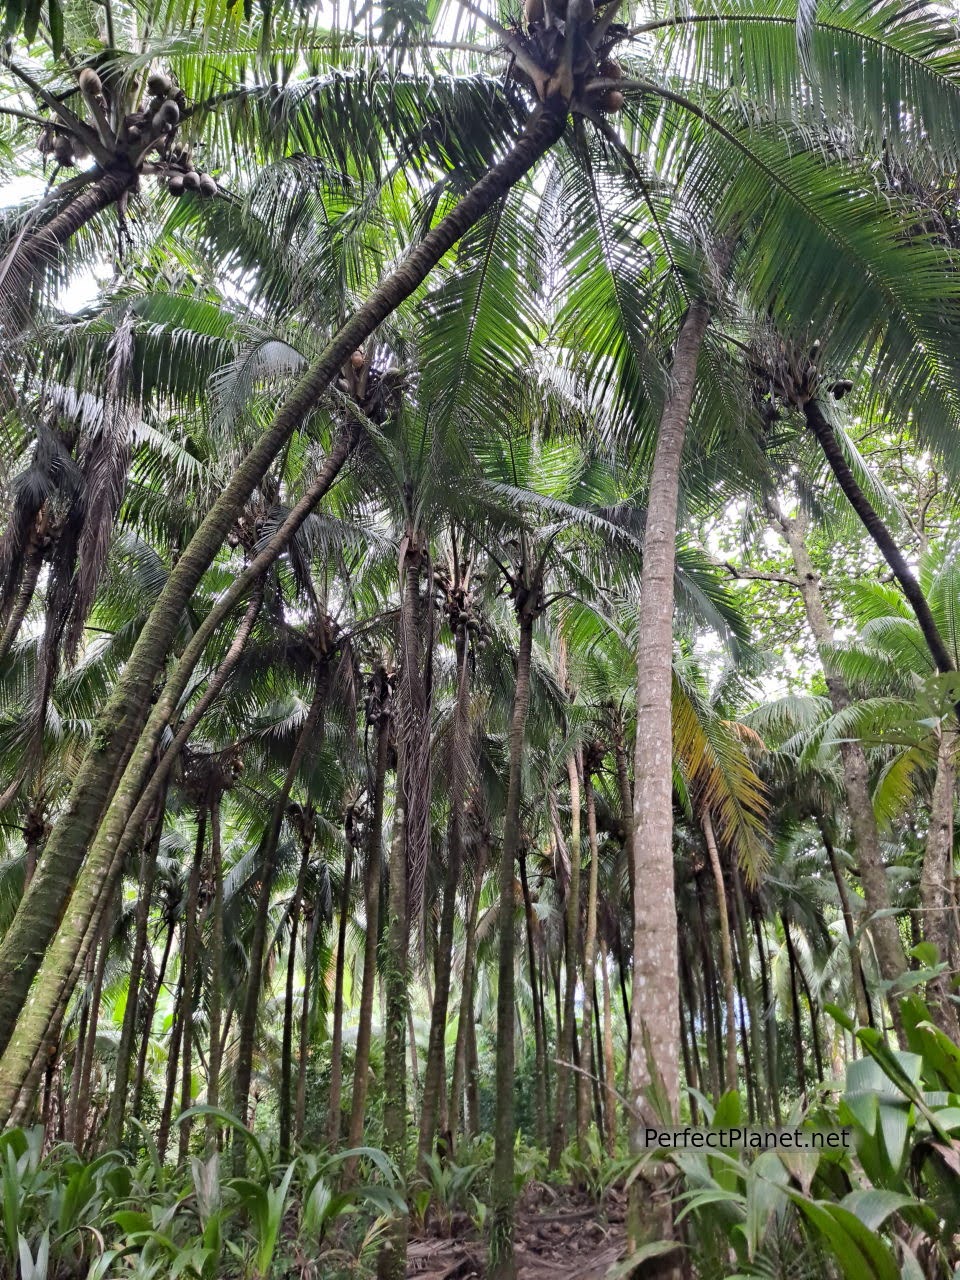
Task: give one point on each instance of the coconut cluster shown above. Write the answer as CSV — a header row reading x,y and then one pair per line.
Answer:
x,y
132,137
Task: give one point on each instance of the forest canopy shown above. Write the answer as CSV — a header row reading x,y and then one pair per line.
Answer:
x,y
479,639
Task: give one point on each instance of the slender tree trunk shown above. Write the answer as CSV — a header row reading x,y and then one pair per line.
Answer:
x,y
216,971
935,878
726,951
334,1120
589,961
860,998
501,1263
878,531
540,1078
749,988
173,1061
571,947
610,1069
436,1067
465,1019
188,964
287,1042
90,1044
710,1022
76,1074
473,1076
139,1078
856,775
33,563
41,913
795,1004
243,1070
656,1000
308,966
392,1260
116,1114
371,896
769,1020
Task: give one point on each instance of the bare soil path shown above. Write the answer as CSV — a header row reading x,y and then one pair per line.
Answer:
x,y
560,1236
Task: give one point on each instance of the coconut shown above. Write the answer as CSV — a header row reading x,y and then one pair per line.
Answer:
x,y
90,82
191,180
159,85
208,185
176,185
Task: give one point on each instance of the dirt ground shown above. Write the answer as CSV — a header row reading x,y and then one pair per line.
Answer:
x,y
560,1236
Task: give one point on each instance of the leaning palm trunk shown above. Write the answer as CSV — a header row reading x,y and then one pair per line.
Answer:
x,y
539,1025
42,910
502,1265
826,437
936,890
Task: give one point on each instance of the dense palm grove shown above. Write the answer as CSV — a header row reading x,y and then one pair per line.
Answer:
x,y
479,632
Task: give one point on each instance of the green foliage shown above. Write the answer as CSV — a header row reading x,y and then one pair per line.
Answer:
x,y
111,1217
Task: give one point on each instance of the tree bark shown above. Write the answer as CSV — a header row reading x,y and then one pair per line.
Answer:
x,y
656,1003
128,1033
189,970
308,967
935,877
32,565
826,438
540,1078
860,998
392,1259
501,1264
589,962
610,1070
464,1021
371,897
336,1043
571,947
286,1102
435,1071
726,951
216,971
41,912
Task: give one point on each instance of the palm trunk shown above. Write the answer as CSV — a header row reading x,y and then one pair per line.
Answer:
x,y
464,1021
826,438
189,970
656,1000
148,866
798,1013
501,1265
568,1031
41,913
435,1072
860,998
287,1042
726,951
149,1012
90,1044
856,776
540,1077
589,963
610,1070
392,1260
935,887
304,1051
173,1062
371,897
336,1043
748,986
769,1019
33,563
216,972
243,1070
